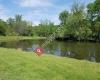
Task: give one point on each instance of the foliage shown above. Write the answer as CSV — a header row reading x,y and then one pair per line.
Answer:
x,y
63,17
3,28
79,25
94,18
18,26
45,28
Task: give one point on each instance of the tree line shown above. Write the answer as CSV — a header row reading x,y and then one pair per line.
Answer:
x,y
80,23
15,26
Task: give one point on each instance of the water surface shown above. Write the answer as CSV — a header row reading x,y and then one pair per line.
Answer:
x,y
79,50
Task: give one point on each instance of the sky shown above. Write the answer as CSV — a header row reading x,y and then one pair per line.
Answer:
x,y
36,10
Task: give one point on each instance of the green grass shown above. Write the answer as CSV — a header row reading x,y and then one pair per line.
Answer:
x,y
13,38
19,65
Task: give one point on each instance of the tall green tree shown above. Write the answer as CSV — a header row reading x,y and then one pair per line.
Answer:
x,y
63,17
11,26
3,28
18,24
76,21
94,18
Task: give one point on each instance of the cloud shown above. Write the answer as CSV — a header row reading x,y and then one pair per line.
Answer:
x,y
36,10
35,3
2,8
3,12
37,16
41,10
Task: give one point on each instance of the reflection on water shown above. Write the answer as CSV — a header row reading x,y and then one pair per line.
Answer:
x,y
84,50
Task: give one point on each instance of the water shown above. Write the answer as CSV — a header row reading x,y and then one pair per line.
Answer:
x,y
78,50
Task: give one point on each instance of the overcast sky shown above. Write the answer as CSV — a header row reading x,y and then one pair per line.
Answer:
x,y
36,10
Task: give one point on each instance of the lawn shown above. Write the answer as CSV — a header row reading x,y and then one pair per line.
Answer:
x,y
13,38
19,65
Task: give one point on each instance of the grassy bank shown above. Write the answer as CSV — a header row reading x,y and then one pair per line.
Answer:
x,y
13,38
19,65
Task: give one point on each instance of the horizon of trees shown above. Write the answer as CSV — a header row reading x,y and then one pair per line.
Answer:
x,y
79,24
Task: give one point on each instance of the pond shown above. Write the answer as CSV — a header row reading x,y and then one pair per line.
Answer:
x,y
78,50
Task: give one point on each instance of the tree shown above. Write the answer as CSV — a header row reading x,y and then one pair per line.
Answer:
x,y
75,24
97,30
76,21
18,18
97,9
91,15
45,28
63,17
27,29
11,22
94,17
18,24
94,11
11,26
3,27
